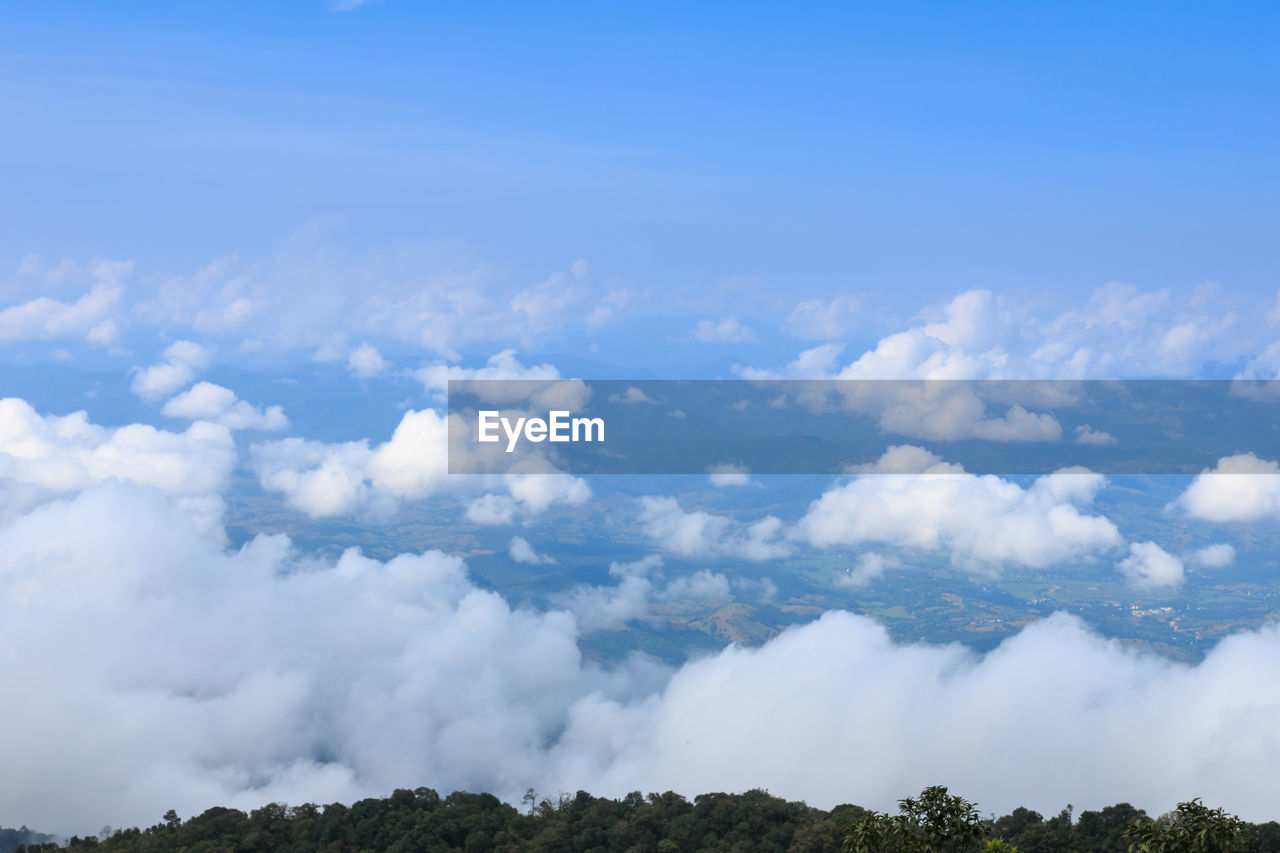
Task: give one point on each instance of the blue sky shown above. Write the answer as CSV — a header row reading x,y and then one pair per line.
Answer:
x,y
907,149
244,246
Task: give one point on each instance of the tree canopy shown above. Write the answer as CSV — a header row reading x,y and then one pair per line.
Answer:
x,y
423,821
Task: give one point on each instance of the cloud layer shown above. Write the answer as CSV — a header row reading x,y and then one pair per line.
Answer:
x,y
161,670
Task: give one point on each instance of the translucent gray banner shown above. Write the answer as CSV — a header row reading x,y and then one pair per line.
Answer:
x,y
840,426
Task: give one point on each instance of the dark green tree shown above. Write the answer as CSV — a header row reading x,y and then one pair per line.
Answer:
x,y
934,822
1191,828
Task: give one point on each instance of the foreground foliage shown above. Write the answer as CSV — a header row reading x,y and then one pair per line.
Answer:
x,y
424,822
936,822
1192,828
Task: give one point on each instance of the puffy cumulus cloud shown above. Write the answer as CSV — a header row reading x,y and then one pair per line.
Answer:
x,y
640,584
869,567
172,673
1238,488
1216,556
703,585
1149,565
698,534
1124,331
914,500
538,492
181,360
728,330
45,456
491,509
523,552
946,411
324,479
354,478
527,494
795,714
932,409
822,319
503,365
209,402
1264,365
964,343
202,676
366,362
1120,331
92,317
1086,434
816,363
317,478
597,607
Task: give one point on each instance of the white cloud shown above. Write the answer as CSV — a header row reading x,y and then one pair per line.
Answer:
x,y
402,672
979,521
964,344
522,552
60,455
935,410
1054,695
544,306
1017,424
1086,434
321,480
640,584
816,363
315,289
822,319
1149,565
729,475
491,509
725,331
326,480
632,395
181,361
869,567
1264,365
1238,488
1120,331
415,462
539,492
366,362
702,585
528,494
946,411
90,318
207,677
209,402
1216,556
597,607
347,478
698,534
503,365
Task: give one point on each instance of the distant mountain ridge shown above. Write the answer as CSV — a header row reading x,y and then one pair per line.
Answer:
x,y
10,839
